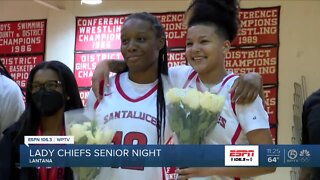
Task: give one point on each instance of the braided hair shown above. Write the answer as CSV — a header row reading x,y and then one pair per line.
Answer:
x,y
221,13
162,69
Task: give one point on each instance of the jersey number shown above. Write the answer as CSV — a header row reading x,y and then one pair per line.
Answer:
x,y
129,139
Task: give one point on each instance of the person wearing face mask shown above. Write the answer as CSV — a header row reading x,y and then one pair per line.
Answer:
x,y
51,90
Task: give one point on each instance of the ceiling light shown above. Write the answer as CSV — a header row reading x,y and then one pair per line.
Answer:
x,y
91,2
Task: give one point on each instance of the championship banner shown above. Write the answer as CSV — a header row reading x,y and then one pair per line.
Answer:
x,y
176,58
86,63
173,23
261,60
274,133
21,37
270,95
19,67
271,105
124,156
103,32
84,92
98,33
258,26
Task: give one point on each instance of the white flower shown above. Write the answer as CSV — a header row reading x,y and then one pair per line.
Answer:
x,y
212,102
195,116
191,98
108,135
98,138
87,124
175,94
103,137
78,131
91,139
92,135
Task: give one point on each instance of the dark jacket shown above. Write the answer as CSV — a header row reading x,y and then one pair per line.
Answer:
x,y
311,119
311,125
9,159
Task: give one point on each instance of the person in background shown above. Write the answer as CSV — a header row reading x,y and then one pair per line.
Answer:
x,y
11,99
310,131
211,27
51,90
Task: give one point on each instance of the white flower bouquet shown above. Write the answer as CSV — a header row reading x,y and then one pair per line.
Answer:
x,y
82,124
193,114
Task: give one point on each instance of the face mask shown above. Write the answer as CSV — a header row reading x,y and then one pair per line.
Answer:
x,y
47,102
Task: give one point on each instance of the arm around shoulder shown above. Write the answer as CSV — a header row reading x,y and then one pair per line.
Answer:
x,y
247,87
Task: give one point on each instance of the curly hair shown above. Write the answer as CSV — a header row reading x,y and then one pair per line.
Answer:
x,y
221,13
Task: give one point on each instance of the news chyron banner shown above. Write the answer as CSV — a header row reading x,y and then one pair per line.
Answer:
x,y
67,154
255,49
22,46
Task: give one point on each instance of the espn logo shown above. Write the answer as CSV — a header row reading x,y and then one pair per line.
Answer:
x,y
241,155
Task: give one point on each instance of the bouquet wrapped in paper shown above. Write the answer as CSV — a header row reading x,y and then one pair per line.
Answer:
x,y
193,114
82,124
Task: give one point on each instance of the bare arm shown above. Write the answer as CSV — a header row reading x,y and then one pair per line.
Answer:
x,y
101,74
247,87
117,66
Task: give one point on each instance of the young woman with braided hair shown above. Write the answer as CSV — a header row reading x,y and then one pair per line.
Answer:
x,y
134,105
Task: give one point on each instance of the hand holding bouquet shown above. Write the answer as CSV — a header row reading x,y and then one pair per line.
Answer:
x,y
82,124
193,114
